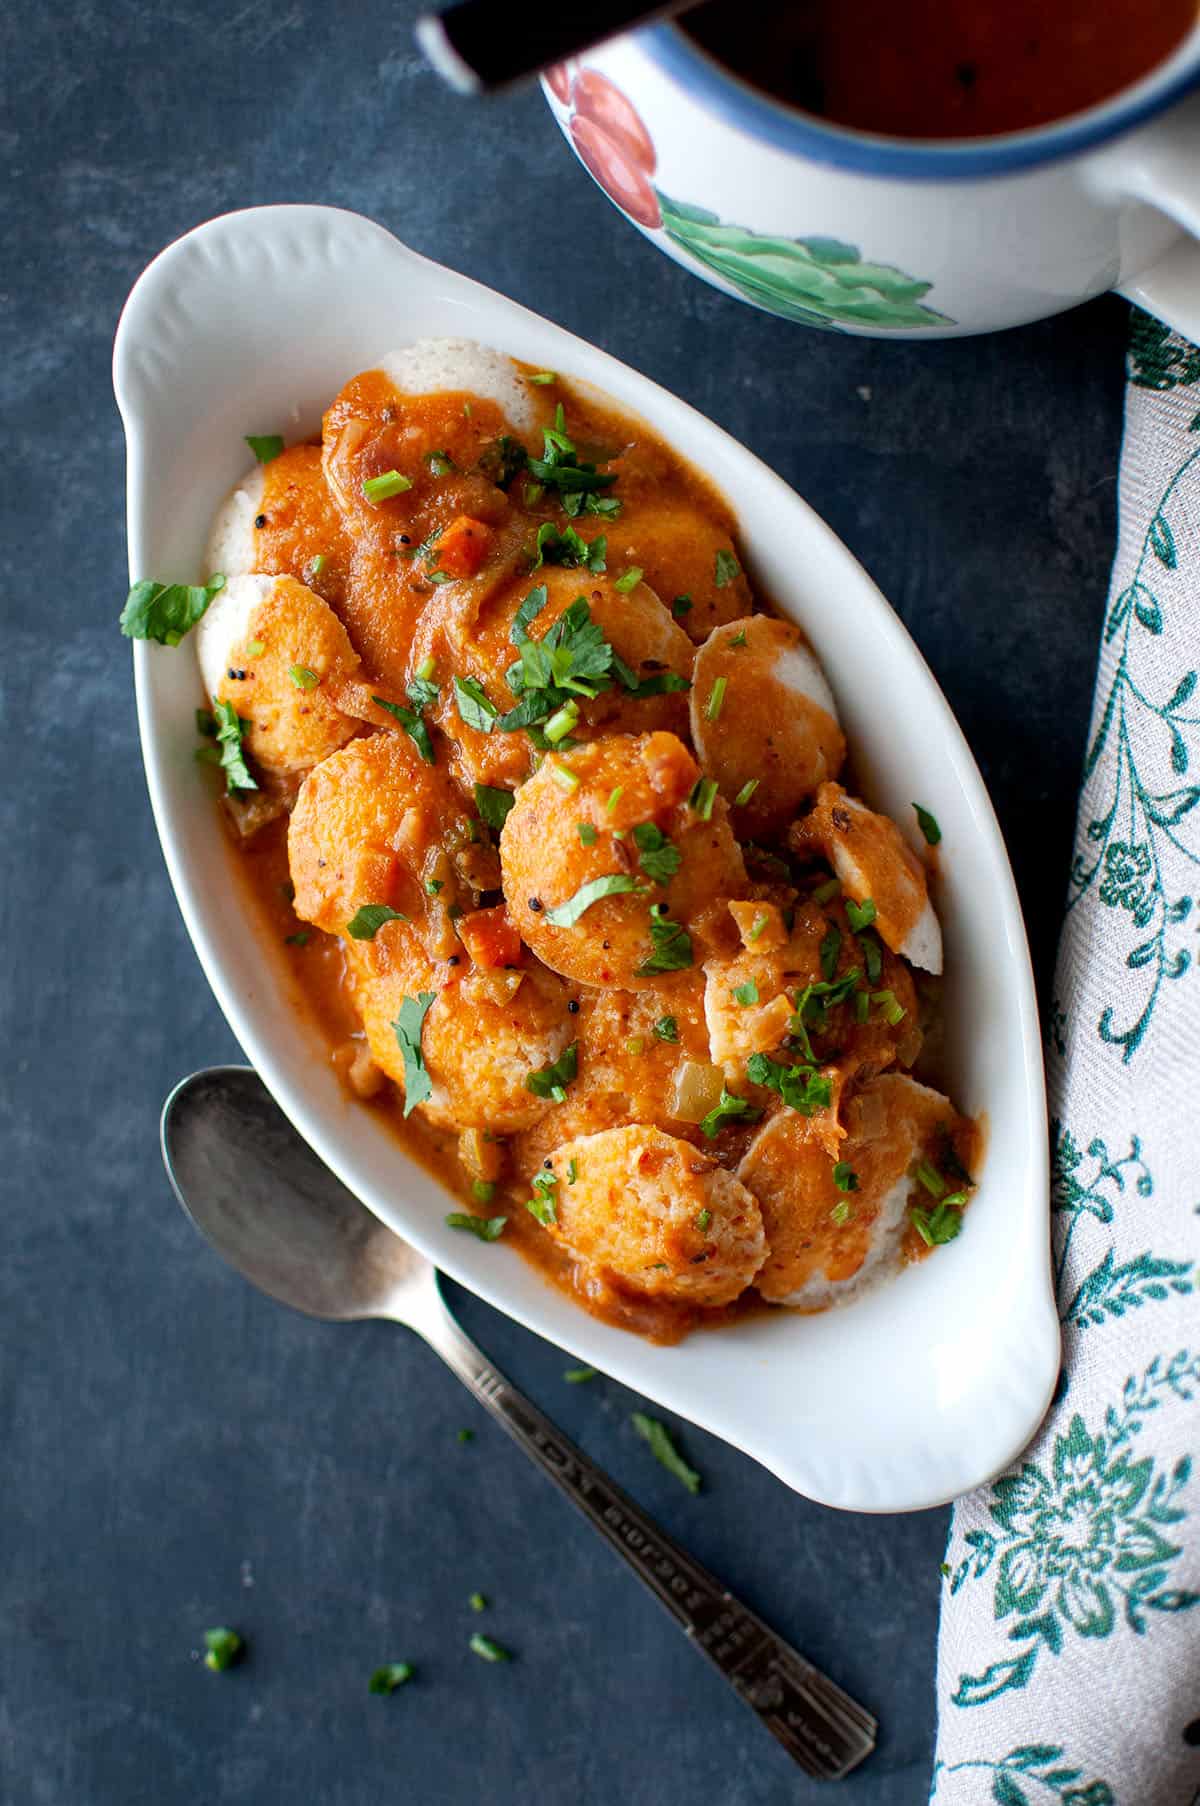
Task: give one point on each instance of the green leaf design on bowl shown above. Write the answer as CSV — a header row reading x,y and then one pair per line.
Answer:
x,y
818,281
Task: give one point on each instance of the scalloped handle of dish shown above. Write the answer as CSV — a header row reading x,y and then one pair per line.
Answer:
x,y
1160,166
825,1731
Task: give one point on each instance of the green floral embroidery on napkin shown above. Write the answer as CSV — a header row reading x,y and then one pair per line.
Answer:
x,y
1140,839
1084,1541
1032,1773
1154,361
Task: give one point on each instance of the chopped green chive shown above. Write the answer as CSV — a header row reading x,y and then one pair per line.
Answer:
x,y
841,1213
256,649
726,568
568,781
667,1029
629,580
663,1449
844,1176
477,1602
703,797
746,792
390,1676
483,1190
485,1229
572,1171
223,1647
587,834
265,446
465,1436
367,921
488,1649
542,377
862,1006
378,489
614,797
716,698
302,677
427,670
893,1010
830,947
579,1376
930,1178
739,639
860,915
760,923
938,1226
928,825
562,722
703,1219
315,566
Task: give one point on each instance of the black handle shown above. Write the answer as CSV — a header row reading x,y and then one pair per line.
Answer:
x,y
482,45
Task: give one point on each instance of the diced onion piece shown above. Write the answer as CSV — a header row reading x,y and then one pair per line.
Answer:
x,y
869,1115
482,1158
696,1089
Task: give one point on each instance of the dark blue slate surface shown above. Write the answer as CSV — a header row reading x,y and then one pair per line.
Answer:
x,y
168,1437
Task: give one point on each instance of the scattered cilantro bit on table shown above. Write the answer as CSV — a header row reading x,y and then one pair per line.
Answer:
x,y
663,1449
390,1676
223,1647
488,1649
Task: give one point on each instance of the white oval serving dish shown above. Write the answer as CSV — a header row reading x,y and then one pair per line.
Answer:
x,y
923,1388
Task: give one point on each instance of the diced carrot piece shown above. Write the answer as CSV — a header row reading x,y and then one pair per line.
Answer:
x,y
490,938
462,547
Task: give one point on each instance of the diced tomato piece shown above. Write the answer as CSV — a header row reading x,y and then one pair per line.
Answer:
x,y
490,938
462,547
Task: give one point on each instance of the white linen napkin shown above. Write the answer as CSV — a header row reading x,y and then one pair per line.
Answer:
x,y
1069,1644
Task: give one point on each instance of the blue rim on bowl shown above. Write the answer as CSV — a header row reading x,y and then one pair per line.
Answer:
x,y
952,159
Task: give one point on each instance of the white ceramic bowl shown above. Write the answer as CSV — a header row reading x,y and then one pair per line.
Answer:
x,y
927,1386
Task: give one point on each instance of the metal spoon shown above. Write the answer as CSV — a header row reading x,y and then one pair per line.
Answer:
x,y
269,1207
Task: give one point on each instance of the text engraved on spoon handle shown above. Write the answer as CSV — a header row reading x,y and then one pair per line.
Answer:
x,y
820,1726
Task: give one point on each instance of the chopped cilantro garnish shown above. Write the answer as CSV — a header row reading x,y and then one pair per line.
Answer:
x,y
493,805
488,1649
824,893
265,446
745,994
569,548
802,1088
844,1176
579,1376
860,915
469,1435
658,857
573,656
726,568
663,1449
841,1213
166,611
423,692
407,1029
872,952
667,1029
368,920
552,1080
703,798
682,605
223,1647
746,792
729,1108
302,677
486,1229
587,834
477,1602
559,468
830,947
388,483
671,944
629,579
255,649
230,728
543,1205
612,884
413,724
614,797
716,698
474,707
929,828
503,459
739,639
390,1676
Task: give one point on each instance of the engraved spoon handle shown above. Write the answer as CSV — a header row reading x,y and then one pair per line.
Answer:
x,y
819,1725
